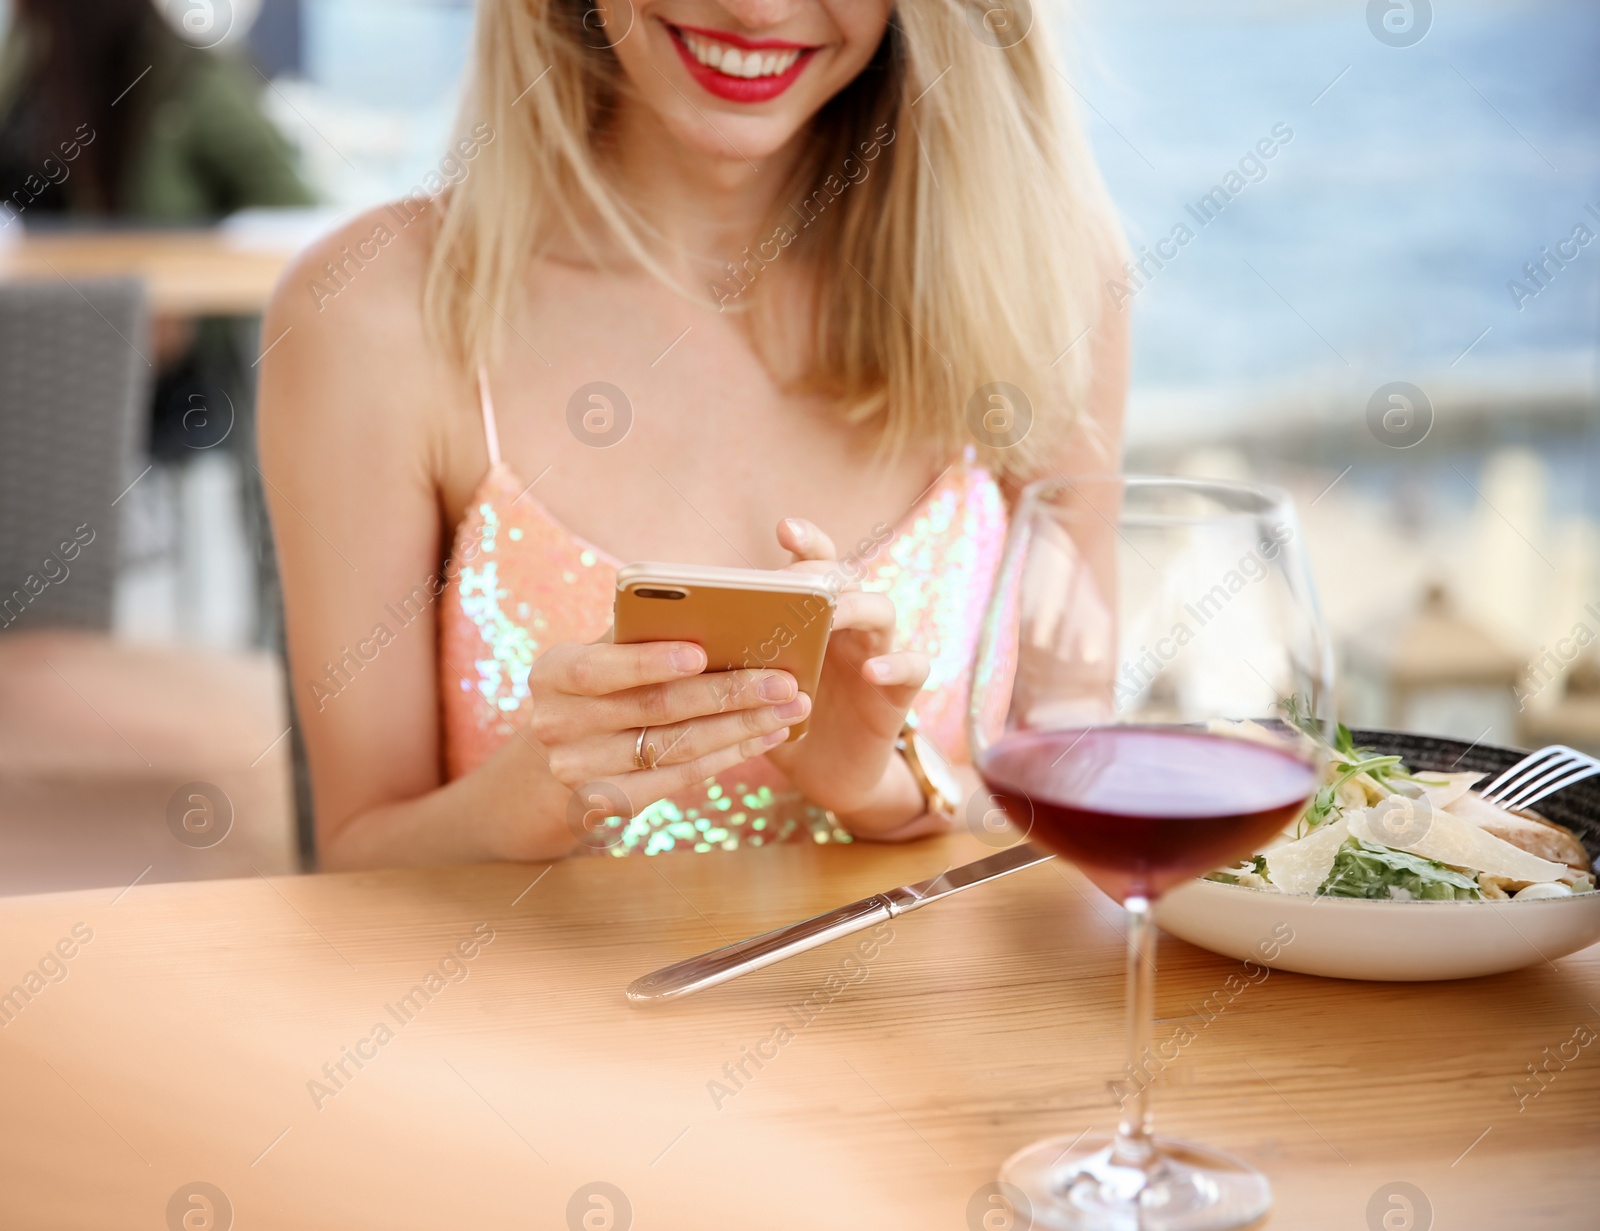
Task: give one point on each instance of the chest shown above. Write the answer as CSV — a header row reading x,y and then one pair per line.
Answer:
x,y
651,427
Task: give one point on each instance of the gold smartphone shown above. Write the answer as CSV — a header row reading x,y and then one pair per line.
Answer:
x,y
742,618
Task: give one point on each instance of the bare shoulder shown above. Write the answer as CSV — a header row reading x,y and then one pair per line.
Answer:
x,y
375,261
346,354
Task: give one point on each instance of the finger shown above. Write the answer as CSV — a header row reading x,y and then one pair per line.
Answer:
x,y
688,741
596,670
591,804
616,753
651,784
905,669
719,692
805,540
840,576
867,612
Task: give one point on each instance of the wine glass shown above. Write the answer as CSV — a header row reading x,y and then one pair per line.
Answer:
x,y
1148,701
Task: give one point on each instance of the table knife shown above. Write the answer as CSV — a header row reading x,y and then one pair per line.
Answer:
x,y
695,974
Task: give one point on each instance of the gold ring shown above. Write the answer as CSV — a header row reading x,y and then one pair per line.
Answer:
x,y
645,755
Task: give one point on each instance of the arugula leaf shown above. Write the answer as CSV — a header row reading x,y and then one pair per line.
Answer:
x,y
1320,811
1346,759
1367,870
1298,711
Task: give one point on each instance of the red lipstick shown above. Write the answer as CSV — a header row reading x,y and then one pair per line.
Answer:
x,y
748,44
740,89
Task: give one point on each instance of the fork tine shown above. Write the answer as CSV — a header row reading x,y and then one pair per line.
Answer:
x,y
1507,781
1528,799
1536,779
1520,793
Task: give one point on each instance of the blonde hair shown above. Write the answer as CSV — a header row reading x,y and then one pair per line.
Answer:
x,y
969,251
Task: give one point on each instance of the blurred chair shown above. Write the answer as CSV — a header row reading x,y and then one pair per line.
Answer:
x,y
105,745
73,386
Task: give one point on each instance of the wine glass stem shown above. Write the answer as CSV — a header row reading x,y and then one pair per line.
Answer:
x,y
1134,1147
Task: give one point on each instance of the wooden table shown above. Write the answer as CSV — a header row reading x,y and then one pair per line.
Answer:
x,y
187,273
181,1045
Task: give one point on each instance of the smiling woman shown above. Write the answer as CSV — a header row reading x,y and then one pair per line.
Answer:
x,y
726,265
971,255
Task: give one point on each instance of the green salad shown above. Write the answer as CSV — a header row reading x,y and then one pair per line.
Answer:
x,y
1377,830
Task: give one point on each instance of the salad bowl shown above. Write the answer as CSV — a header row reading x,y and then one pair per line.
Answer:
x,y
1356,938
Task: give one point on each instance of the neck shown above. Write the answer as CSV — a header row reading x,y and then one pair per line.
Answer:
x,y
705,206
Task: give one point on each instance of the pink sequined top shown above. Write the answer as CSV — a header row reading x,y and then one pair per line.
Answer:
x,y
526,582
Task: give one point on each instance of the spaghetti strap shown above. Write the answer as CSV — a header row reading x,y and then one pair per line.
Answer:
x,y
491,435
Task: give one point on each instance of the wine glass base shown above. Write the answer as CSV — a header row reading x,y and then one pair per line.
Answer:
x,y
1073,1185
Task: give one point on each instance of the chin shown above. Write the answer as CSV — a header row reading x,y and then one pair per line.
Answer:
x,y
736,140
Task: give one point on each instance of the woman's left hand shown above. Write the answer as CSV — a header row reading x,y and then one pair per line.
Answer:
x,y
847,761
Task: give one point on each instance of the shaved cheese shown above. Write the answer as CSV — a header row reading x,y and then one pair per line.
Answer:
x,y
1302,866
1444,789
1450,840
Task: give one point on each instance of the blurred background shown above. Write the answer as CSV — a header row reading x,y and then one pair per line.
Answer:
x,y
1394,314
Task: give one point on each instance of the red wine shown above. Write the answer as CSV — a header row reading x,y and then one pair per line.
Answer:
x,y
1140,809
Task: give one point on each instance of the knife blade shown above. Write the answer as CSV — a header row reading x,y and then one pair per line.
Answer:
x,y
695,974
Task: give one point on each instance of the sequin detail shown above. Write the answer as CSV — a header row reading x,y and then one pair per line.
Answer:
x,y
527,583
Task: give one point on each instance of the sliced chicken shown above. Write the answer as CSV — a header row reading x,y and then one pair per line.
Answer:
x,y
1536,836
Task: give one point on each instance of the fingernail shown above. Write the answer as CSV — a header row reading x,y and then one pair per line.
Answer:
x,y
688,659
796,529
793,709
776,688
879,672
776,738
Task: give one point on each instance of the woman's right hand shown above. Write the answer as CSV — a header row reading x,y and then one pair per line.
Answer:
x,y
586,705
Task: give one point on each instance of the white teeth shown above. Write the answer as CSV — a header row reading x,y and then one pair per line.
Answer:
x,y
736,63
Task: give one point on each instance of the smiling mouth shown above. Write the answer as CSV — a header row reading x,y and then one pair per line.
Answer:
x,y
736,68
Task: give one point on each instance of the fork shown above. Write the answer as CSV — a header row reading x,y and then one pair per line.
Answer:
x,y
1540,774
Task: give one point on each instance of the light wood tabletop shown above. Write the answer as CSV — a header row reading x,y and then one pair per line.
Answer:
x,y
187,273
203,1033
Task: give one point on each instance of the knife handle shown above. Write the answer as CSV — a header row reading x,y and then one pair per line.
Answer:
x,y
709,969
